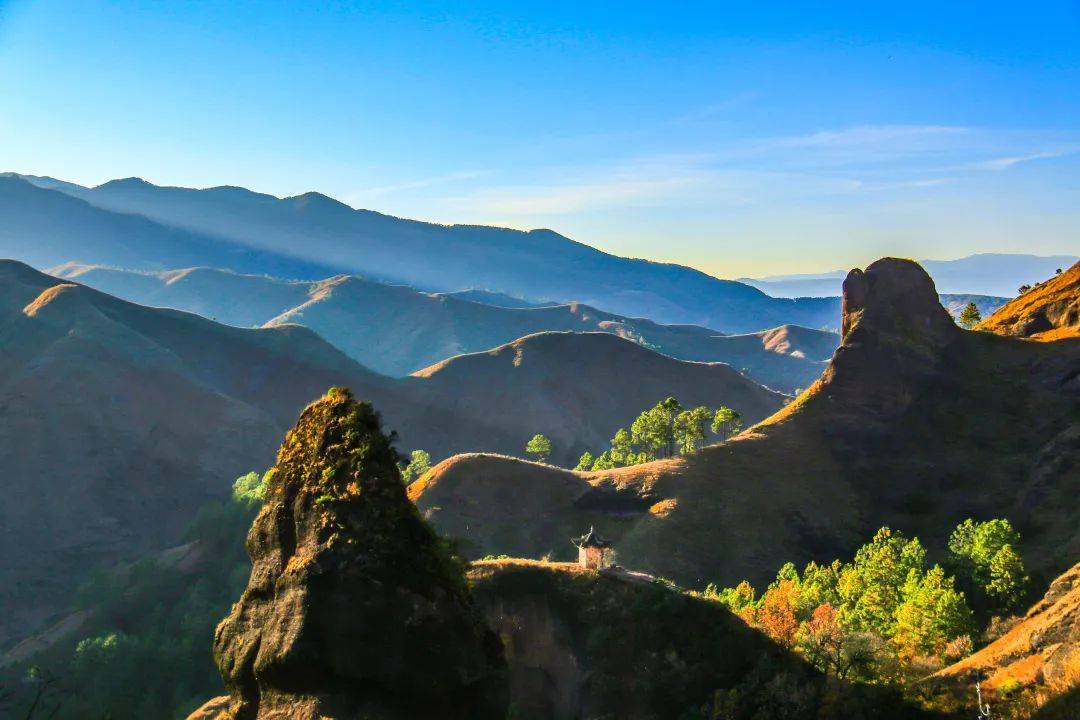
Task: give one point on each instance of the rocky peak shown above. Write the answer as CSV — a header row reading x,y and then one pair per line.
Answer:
x,y
894,297
355,608
894,331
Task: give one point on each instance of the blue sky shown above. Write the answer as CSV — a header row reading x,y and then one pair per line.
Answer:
x,y
742,139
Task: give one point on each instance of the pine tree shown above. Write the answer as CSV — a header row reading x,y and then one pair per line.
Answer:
x,y
539,447
970,316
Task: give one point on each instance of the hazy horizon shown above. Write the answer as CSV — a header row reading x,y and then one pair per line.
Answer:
x,y
742,142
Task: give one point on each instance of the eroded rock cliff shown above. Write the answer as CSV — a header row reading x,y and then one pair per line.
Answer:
x,y
355,608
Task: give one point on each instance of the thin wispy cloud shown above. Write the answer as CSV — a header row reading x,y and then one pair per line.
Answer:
x,y
867,160
875,136
1004,163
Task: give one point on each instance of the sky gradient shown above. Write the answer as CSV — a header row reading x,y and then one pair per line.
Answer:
x,y
739,140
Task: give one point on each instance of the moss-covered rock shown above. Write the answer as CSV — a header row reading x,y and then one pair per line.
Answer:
x,y
355,608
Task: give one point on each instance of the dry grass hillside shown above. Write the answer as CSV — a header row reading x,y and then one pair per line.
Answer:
x,y
565,383
1036,664
916,424
397,329
1049,311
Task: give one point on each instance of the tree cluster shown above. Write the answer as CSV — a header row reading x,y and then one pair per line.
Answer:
x,y
885,615
664,430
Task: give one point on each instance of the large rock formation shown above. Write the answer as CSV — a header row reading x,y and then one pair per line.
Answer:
x,y
355,608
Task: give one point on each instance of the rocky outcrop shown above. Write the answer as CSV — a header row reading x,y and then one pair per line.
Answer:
x,y
355,608
894,329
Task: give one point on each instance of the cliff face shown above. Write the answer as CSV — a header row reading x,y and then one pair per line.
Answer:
x,y
355,608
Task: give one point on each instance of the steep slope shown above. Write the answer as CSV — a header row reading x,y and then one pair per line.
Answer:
x,y
916,423
539,264
395,329
1039,655
559,382
1049,311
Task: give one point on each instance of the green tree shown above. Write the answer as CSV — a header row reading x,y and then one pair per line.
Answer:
x,y
654,429
539,447
970,316
1007,578
249,489
726,422
604,461
419,463
931,612
622,448
975,549
870,589
585,462
690,427
736,598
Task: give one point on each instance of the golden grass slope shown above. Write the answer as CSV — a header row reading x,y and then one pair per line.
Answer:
x,y
1039,656
1049,311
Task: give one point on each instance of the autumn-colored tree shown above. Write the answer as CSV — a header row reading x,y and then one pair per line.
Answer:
x,y
832,648
776,613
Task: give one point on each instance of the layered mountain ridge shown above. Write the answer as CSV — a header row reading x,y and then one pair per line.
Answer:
x,y
136,225
119,421
396,329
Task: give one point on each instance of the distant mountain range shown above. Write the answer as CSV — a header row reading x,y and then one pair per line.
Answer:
x,y
118,421
133,224
990,274
396,329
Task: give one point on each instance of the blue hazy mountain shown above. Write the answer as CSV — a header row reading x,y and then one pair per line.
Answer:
x,y
311,236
